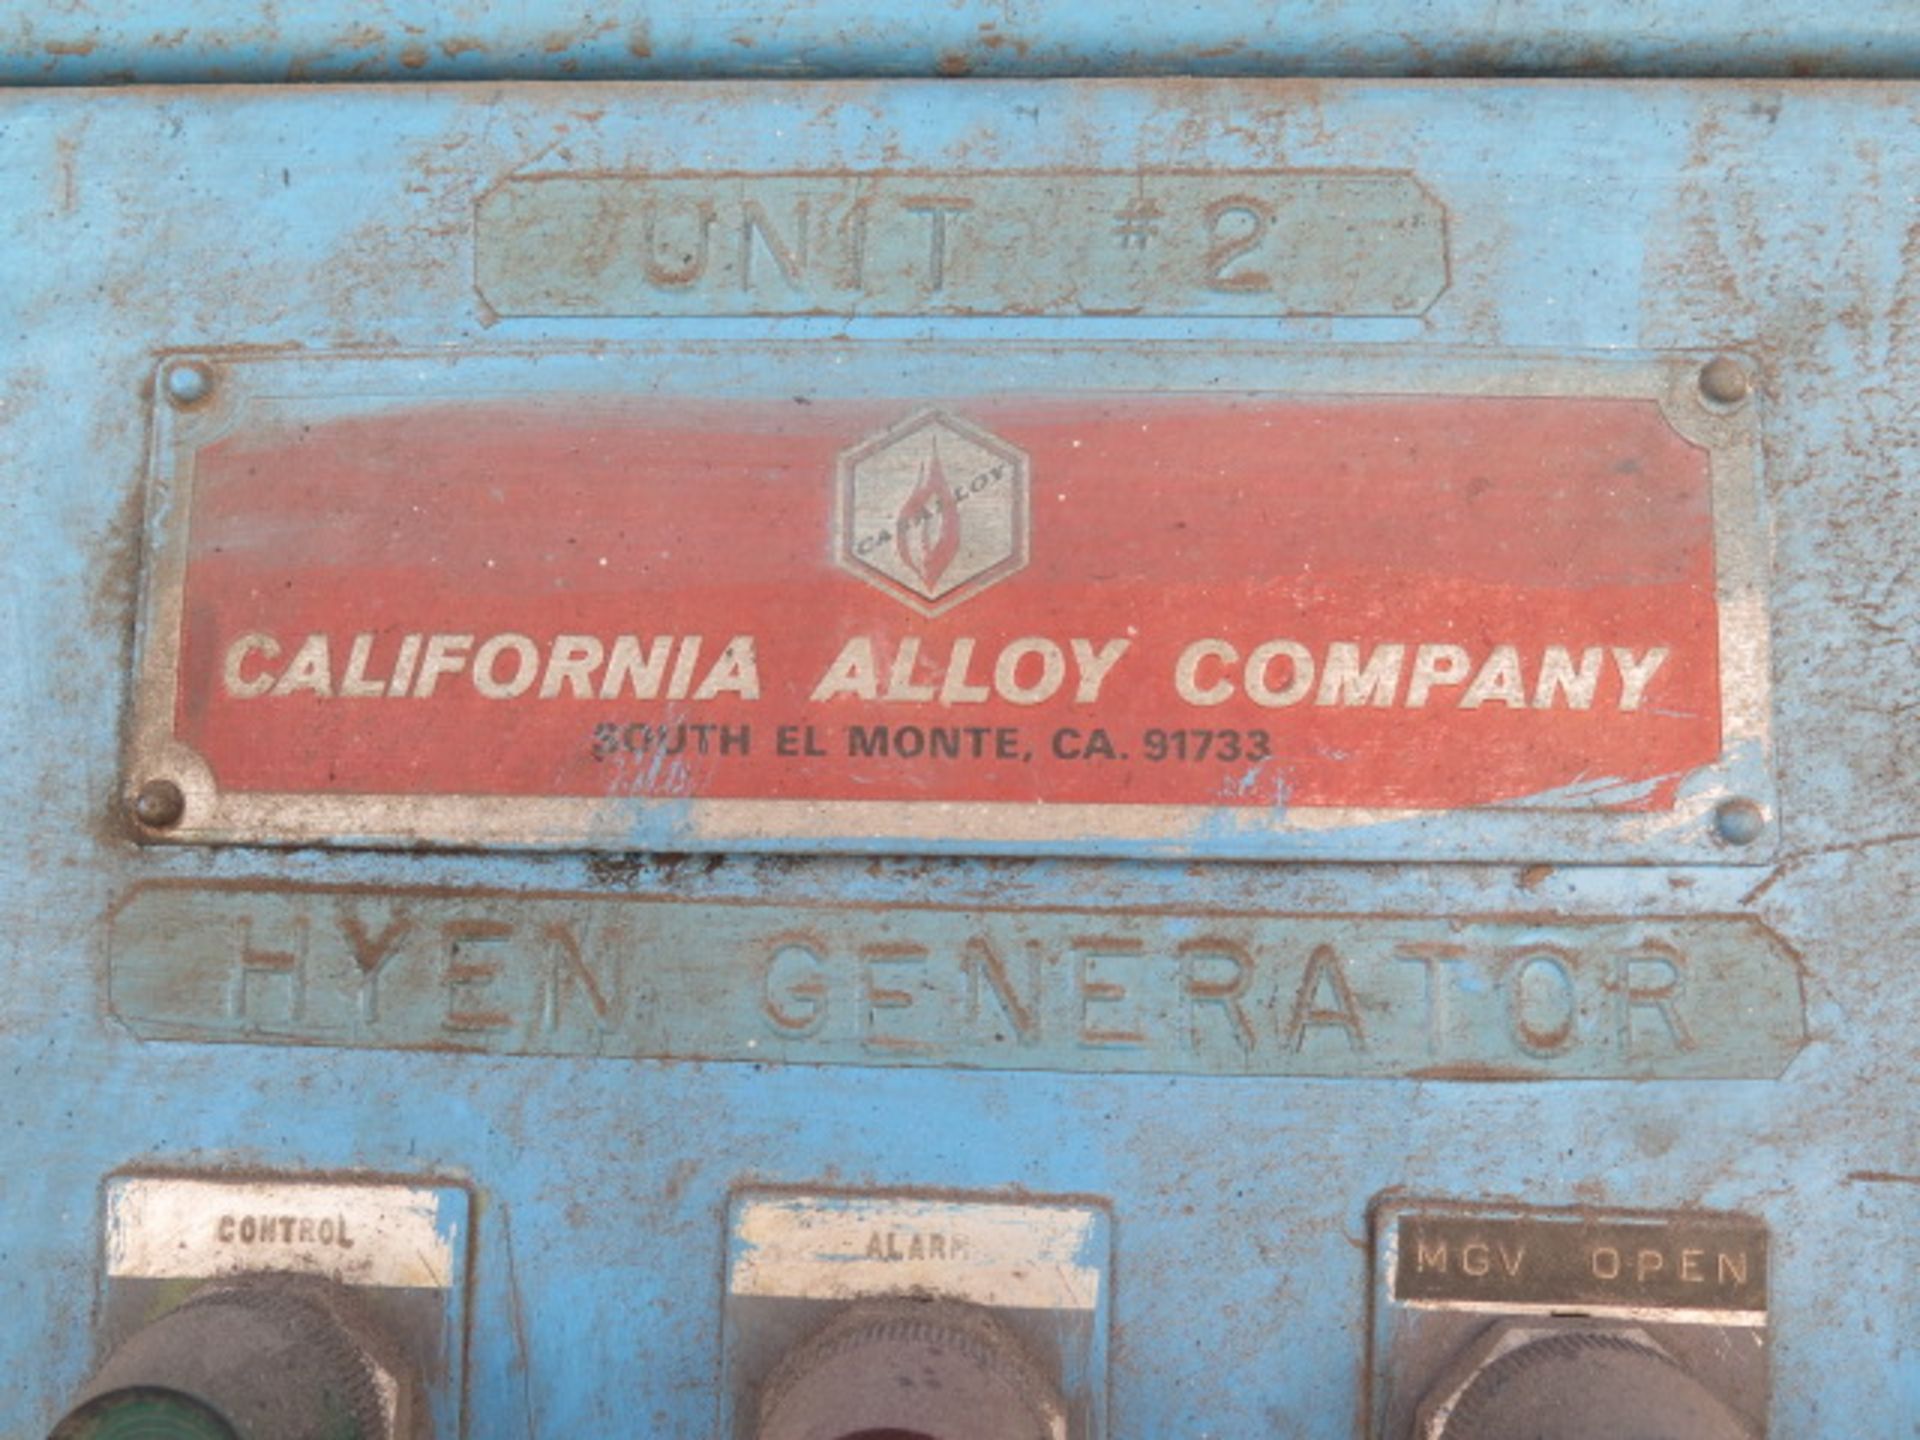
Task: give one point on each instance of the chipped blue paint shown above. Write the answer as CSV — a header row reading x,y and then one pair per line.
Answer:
x,y
1656,219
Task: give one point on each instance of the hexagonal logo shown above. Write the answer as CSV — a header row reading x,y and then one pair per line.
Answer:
x,y
932,510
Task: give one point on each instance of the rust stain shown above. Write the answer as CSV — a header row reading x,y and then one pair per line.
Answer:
x,y
556,42
361,37
1880,1177
993,38
522,1353
64,150
617,872
677,1180
1400,54
116,580
1474,1071
414,57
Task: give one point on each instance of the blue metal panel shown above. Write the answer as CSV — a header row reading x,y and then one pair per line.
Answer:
x,y
1773,220
256,41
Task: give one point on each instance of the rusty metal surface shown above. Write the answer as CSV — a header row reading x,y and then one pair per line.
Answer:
x,y
188,41
1770,221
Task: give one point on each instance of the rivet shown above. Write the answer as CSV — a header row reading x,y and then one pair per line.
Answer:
x,y
189,382
1739,821
160,805
1725,381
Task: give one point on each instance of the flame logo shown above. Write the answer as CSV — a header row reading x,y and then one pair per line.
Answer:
x,y
927,529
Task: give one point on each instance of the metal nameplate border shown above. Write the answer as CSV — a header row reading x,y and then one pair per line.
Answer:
x,y
188,417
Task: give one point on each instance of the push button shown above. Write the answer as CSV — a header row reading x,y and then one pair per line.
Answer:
x,y
1507,1322
910,1370
270,1357
1527,1381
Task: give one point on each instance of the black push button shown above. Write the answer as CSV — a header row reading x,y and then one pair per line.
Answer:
x,y
272,1357
1575,1384
910,1370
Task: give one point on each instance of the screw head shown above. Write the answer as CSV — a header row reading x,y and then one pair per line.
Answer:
x,y
1739,821
1725,381
160,805
189,382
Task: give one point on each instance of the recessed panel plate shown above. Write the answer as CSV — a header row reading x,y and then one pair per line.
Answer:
x,y
1042,1268
403,1247
1694,1284
1061,242
989,600
1461,997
